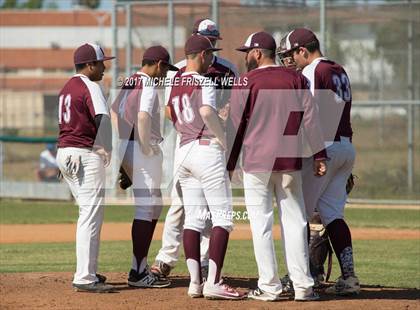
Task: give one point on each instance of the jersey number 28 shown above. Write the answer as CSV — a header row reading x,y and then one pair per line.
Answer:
x,y
64,112
187,112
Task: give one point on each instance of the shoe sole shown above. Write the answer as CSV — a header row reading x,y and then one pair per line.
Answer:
x,y
347,293
264,299
134,284
195,295
305,300
81,290
219,297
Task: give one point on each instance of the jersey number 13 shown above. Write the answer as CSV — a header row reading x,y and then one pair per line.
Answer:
x,y
64,109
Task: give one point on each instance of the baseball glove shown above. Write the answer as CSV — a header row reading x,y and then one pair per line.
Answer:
x,y
319,250
124,179
350,183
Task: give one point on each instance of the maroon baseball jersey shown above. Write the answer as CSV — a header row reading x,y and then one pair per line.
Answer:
x,y
266,116
187,96
80,101
125,129
143,98
326,74
220,68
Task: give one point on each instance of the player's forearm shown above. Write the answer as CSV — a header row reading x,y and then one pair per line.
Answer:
x,y
212,121
114,120
104,129
168,113
144,124
312,127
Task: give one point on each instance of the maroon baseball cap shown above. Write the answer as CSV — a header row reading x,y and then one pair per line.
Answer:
x,y
261,39
299,37
206,27
198,43
89,53
159,53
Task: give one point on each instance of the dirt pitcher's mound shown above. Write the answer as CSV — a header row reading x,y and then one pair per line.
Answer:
x,y
53,291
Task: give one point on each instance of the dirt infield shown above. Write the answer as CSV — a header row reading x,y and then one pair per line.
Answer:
x,y
28,233
53,291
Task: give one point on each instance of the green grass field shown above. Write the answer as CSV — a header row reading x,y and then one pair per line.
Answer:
x,y
27,212
377,262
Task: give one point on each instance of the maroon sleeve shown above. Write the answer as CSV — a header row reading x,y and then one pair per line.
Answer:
x,y
237,124
311,121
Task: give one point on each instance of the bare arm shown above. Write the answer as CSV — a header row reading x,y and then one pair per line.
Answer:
x,y
212,121
114,120
168,113
144,123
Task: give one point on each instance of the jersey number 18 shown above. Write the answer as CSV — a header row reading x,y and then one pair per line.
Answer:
x,y
187,112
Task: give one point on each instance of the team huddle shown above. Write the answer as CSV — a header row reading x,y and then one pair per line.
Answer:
x,y
267,134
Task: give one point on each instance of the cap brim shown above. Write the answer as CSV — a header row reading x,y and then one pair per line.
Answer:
x,y
213,37
214,49
244,48
172,68
108,58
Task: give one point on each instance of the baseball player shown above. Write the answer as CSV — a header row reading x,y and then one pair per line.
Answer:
x,y
83,152
172,233
143,160
285,56
328,195
261,110
202,174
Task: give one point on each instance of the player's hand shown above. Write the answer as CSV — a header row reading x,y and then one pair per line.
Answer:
x,y
236,176
73,164
106,156
221,142
320,167
155,149
147,150
224,112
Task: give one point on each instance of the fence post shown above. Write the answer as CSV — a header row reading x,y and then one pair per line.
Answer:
x,y
410,95
128,51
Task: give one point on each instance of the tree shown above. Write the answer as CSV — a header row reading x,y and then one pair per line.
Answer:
x,y
9,4
32,4
92,4
29,4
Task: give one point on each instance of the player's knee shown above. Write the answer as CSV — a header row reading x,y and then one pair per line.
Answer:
x,y
144,213
157,210
197,224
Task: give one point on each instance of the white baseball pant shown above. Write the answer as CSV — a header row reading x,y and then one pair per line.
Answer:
x,y
87,187
174,222
205,186
146,174
259,189
328,194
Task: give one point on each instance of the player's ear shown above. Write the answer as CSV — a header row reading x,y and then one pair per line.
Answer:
x,y
159,66
203,55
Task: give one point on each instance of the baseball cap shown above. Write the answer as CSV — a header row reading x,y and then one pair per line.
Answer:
x,y
159,53
282,49
206,27
260,39
299,37
89,53
198,43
